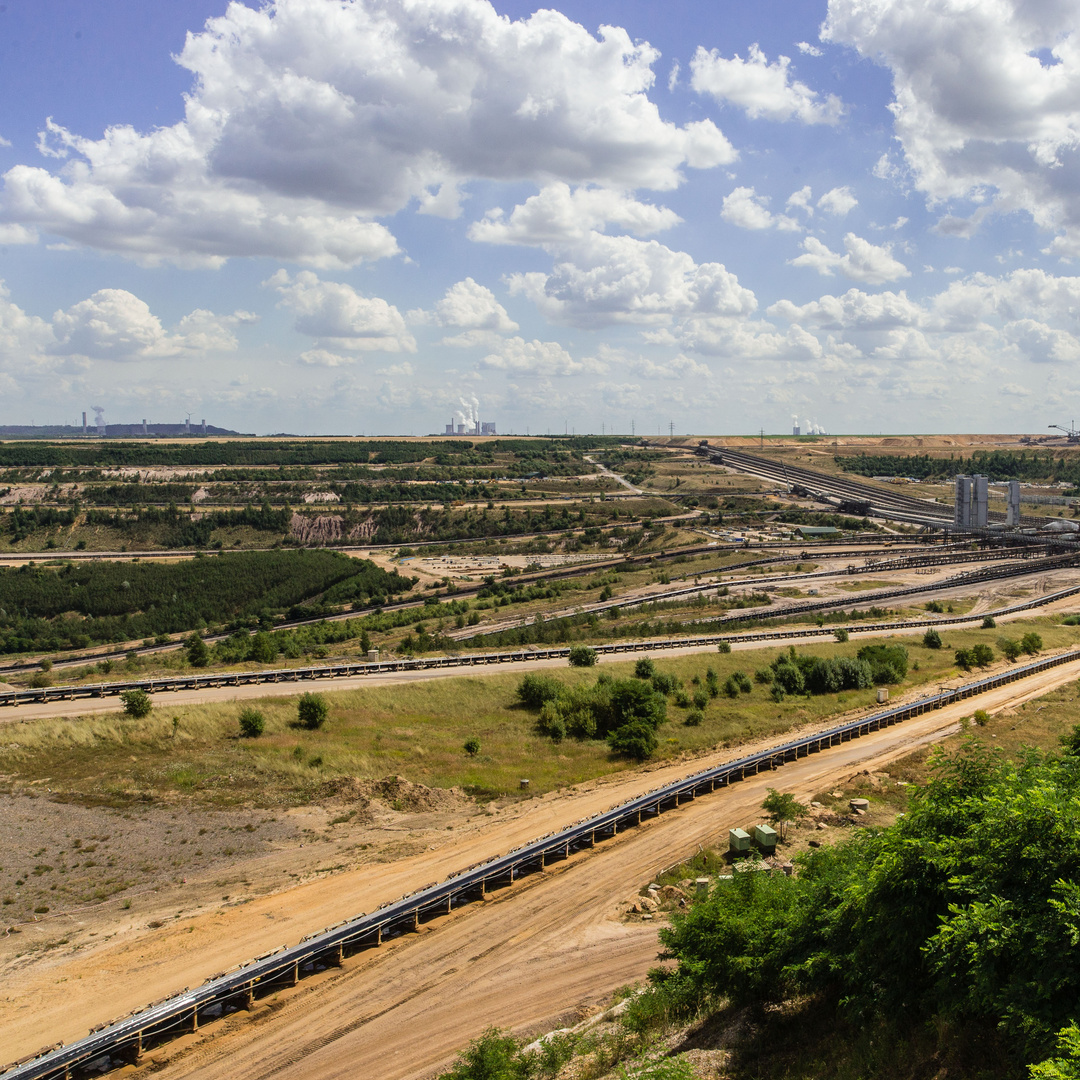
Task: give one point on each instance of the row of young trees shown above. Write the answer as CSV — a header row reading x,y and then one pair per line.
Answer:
x,y
75,604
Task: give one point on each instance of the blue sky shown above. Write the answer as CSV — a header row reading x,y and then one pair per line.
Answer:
x,y
349,216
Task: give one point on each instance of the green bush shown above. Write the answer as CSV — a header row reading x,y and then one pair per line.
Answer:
x,y
988,622
644,668
724,647
932,639
472,746
582,656
252,723
665,683
694,718
1010,649
1031,643
534,690
700,700
712,683
841,634
137,703
312,711
636,739
731,687
198,654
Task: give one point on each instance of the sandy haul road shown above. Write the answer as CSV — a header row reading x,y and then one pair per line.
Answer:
x,y
525,958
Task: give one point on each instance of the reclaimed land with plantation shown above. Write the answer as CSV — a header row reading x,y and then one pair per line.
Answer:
x,y
653,606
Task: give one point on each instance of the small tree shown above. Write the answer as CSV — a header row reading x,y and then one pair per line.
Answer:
x,y
1010,649
252,723
724,647
783,808
932,639
982,654
472,746
197,653
841,634
137,703
988,623
644,668
964,659
1031,643
311,711
582,656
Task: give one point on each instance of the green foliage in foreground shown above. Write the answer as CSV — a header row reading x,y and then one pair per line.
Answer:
x,y
312,711
965,913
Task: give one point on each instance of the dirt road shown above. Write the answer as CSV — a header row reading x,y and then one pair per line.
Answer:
x,y
549,944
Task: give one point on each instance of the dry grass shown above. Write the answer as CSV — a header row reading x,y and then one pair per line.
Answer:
x,y
418,730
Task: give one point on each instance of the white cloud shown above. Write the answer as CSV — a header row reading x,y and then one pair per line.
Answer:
x,y
338,315
750,211
764,90
469,306
808,49
558,215
618,279
854,310
114,324
838,201
865,262
537,358
22,336
801,200
325,358
976,110
310,118
1041,343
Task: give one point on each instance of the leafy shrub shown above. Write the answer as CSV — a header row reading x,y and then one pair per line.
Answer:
x,y
888,663
582,656
712,683
981,717
1010,649
700,700
932,639
644,668
198,654
137,703
252,723
1031,643
841,634
471,746
763,676
731,687
665,683
682,699
964,660
534,690
636,739
983,655
724,647
935,606
312,711
988,623
694,718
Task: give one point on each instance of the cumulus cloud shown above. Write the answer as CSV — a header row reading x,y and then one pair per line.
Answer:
x,y
838,201
748,210
310,118
766,91
338,315
1041,343
986,101
469,306
619,279
559,215
854,310
865,262
537,358
114,324
808,49
802,200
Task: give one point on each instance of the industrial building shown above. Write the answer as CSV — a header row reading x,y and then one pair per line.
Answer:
x,y
972,502
473,427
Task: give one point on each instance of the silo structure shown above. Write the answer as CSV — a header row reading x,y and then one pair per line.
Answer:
x,y
1012,509
980,500
962,509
